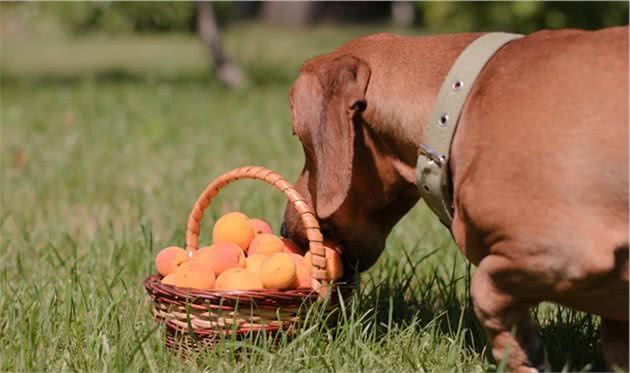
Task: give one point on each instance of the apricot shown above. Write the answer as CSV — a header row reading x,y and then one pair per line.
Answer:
x,y
334,266
194,275
234,227
260,226
169,279
238,279
253,262
220,256
291,247
278,271
169,259
303,276
265,244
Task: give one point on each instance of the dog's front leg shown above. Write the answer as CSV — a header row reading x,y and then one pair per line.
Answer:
x,y
513,333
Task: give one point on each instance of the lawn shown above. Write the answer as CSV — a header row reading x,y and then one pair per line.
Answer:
x,y
106,143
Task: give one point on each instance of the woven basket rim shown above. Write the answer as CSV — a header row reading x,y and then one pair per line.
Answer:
x,y
154,285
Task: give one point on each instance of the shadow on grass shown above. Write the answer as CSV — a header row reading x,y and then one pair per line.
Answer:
x,y
403,295
571,338
572,341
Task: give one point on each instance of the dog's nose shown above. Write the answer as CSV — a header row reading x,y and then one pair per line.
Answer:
x,y
283,231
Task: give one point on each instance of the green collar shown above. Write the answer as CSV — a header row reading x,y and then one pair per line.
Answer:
x,y
432,176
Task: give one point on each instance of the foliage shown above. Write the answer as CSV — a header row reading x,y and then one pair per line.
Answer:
x,y
115,17
123,17
520,16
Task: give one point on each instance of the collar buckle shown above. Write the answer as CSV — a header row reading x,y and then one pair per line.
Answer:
x,y
430,153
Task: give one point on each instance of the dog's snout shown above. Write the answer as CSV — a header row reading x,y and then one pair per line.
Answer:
x,y
284,232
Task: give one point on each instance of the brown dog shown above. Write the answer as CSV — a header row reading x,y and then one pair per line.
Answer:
x,y
539,167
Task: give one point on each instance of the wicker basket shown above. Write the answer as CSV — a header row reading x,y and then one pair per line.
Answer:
x,y
196,319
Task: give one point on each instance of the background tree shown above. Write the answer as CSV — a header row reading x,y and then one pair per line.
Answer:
x,y
227,71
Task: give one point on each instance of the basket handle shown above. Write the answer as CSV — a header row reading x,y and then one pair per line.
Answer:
x,y
309,221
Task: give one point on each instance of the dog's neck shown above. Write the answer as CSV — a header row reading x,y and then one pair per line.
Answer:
x,y
400,100
403,123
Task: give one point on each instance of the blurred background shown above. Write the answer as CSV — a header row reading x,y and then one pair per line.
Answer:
x,y
125,38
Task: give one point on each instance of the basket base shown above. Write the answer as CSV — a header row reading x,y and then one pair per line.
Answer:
x,y
196,321
185,344
181,342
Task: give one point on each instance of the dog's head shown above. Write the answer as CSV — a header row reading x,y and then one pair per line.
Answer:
x,y
350,175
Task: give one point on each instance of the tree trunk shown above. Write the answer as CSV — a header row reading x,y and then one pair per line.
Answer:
x,y
227,72
403,13
298,13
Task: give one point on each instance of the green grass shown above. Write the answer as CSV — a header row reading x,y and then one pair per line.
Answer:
x,y
106,144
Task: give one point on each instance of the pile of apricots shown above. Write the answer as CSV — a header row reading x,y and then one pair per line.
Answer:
x,y
244,255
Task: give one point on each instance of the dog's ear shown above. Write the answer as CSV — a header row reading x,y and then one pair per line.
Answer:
x,y
344,83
